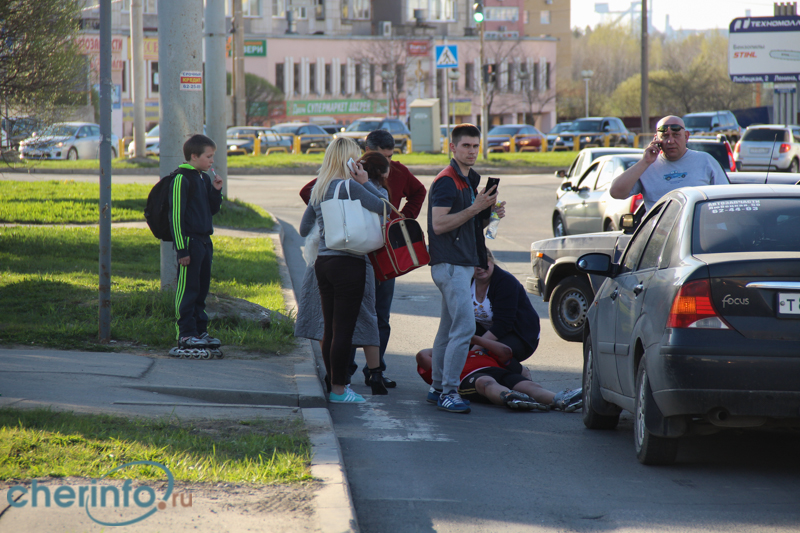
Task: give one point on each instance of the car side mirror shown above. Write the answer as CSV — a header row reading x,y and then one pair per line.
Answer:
x,y
561,173
598,264
566,186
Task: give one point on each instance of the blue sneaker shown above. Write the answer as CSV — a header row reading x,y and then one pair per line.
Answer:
x,y
349,396
433,396
452,403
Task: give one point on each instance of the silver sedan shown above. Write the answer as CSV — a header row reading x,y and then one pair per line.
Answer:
x,y
585,206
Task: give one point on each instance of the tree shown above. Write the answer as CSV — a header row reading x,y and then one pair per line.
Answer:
x,y
499,51
389,56
40,64
260,95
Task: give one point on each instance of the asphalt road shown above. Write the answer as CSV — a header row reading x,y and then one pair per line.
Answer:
x,y
414,468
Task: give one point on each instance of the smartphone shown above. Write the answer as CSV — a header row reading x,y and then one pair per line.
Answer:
x,y
351,164
492,182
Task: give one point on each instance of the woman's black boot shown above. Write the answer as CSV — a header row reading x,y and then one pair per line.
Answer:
x,y
376,382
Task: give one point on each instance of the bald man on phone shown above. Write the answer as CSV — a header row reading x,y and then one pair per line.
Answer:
x,y
667,164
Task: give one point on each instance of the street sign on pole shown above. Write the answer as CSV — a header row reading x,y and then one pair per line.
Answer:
x,y
447,56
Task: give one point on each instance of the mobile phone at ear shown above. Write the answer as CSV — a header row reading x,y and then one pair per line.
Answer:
x,y
351,164
492,182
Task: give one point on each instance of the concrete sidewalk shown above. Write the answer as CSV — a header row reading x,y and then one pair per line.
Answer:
x,y
153,385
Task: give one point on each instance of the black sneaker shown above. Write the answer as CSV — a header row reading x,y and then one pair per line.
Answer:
x,y
192,342
568,400
521,401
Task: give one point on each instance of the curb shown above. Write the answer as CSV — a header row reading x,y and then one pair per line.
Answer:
x,y
333,502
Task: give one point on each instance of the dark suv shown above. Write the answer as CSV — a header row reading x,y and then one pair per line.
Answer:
x,y
713,123
592,131
719,149
362,127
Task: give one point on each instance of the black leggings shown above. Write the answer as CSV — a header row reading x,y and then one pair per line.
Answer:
x,y
519,348
341,288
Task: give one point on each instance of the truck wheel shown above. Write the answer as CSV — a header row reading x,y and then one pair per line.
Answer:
x,y
650,450
591,393
569,303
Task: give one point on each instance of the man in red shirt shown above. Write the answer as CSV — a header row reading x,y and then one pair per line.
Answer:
x,y
402,184
491,373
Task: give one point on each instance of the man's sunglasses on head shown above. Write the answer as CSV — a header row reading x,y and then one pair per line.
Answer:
x,y
672,127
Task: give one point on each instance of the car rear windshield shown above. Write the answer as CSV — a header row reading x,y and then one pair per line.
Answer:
x,y
766,134
698,122
746,225
364,125
716,150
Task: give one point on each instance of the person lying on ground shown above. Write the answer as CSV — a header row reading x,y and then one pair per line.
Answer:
x,y
492,374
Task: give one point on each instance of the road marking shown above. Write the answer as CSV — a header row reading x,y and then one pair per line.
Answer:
x,y
385,428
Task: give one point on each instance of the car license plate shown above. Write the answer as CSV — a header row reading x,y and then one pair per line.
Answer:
x,y
788,304
759,150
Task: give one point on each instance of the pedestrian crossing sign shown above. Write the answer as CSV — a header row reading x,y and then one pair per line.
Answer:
x,y
447,56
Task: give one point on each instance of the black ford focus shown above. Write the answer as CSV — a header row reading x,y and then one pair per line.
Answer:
x,y
698,326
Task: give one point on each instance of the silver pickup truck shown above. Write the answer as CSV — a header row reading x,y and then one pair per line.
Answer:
x,y
569,292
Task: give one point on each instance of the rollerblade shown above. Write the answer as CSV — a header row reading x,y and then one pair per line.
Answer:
x,y
214,345
191,348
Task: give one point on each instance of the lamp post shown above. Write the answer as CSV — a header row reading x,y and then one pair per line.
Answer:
x,y
388,78
450,75
587,75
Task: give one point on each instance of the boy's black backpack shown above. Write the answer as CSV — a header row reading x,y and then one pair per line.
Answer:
x,y
156,212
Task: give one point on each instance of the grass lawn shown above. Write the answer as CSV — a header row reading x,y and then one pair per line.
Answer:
x,y
42,443
70,202
523,160
48,289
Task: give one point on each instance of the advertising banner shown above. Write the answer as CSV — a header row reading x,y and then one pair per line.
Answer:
x,y
764,49
306,108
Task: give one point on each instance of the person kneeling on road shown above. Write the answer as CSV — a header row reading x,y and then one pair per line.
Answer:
x,y
492,374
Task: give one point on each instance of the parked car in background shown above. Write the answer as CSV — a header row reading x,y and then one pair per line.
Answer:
x,y
594,130
586,206
713,123
719,149
585,158
18,129
151,139
769,146
362,127
553,133
313,136
332,128
241,139
526,138
697,326
66,140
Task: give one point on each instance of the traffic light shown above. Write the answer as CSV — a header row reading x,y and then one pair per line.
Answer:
x,y
477,11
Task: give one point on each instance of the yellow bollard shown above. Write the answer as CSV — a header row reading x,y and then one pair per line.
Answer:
x,y
607,140
257,145
543,147
121,147
512,144
408,146
296,144
576,143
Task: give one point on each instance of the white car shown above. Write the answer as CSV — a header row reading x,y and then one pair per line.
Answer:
x,y
769,146
151,139
66,140
585,205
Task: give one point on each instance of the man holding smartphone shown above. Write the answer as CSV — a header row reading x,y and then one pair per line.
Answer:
x,y
457,214
667,164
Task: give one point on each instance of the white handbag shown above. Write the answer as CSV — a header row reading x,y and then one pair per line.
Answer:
x,y
349,227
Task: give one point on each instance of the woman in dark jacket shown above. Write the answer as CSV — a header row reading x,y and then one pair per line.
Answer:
x,y
503,311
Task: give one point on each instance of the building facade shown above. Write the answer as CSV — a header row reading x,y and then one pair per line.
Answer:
x,y
338,60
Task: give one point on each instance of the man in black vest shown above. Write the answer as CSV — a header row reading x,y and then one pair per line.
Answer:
x,y
456,218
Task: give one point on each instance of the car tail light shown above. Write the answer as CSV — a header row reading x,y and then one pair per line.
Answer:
x,y
736,148
730,158
692,308
785,148
636,201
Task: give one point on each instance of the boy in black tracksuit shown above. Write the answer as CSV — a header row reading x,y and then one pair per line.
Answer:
x,y
195,198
